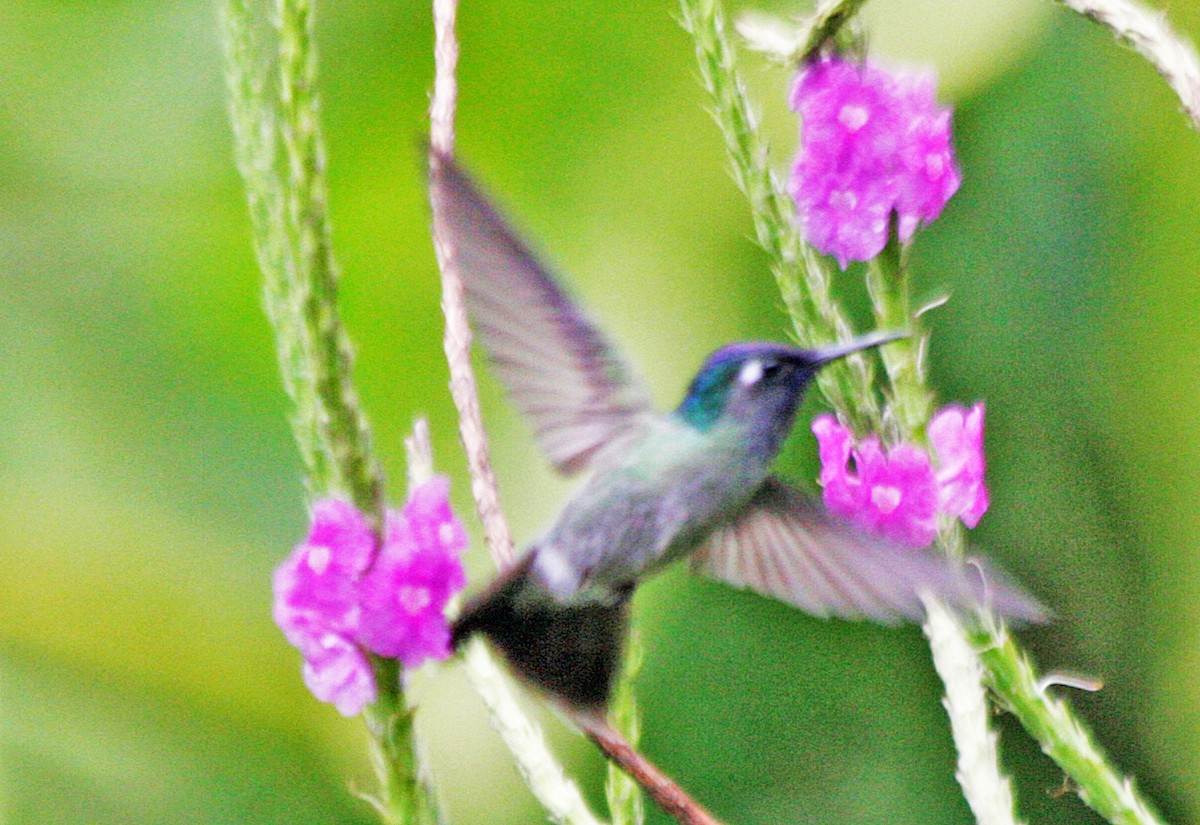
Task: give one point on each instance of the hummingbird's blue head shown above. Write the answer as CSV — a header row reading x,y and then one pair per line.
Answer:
x,y
760,384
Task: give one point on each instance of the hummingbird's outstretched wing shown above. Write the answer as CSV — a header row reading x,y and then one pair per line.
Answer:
x,y
788,547
558,368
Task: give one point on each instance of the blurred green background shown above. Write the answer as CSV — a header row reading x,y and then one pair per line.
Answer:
x,y
150,483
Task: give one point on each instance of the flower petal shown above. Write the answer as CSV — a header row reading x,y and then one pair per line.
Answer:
x,y
957,437
871,144
339,673
418,571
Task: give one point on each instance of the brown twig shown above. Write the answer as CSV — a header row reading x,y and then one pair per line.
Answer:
x,y
661,788
458,331
673,799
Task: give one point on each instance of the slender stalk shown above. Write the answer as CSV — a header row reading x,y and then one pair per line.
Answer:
x,y
271,76
985,786
910,400
827,20
624,796
1063,737
802,277
271,66
524,738
543,774
661,788
405,795
457,342
832,26
1006,669
311,286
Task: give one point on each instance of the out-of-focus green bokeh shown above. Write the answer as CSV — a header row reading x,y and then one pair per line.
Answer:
x,y
150,484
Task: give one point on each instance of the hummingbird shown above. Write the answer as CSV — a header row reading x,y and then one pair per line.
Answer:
x,y
694,483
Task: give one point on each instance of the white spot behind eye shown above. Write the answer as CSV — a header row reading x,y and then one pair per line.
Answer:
x,y
751,372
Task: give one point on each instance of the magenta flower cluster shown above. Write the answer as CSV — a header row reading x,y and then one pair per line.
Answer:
x,y
897,491
872,143
337,598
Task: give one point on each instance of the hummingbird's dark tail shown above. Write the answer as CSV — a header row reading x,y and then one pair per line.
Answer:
x,y
571,652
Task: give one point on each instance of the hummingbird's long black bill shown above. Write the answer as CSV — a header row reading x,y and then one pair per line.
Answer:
x,y
823,355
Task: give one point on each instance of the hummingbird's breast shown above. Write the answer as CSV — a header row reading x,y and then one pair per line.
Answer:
x,y
645,509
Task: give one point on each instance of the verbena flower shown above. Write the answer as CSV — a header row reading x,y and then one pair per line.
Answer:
x,y
957,436
872,143
316,605
898,492
404,596
891,492
336,599
337,671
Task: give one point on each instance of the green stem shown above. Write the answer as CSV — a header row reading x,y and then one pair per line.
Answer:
x,y
271,70
827,21
985,786
1006,671
625,803
311,275
404,796
271,75
802,277
910,400
1062,736
805,289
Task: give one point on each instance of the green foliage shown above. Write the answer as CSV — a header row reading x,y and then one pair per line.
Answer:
x,y
271,67
151,482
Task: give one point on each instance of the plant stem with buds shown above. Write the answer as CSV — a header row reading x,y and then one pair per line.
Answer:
x,y
806,297
271,67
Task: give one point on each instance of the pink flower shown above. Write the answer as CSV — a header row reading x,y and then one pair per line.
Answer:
x,y
897,492
957,437
336,599
316,604
872,144
892,493
337,671
416,574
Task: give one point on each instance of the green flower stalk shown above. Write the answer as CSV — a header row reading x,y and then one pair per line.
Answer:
x,y
802,277
625,803
804,284
1063,737
271,69
271,72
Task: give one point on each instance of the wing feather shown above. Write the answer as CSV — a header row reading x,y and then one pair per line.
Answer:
x,y
556,365
788,547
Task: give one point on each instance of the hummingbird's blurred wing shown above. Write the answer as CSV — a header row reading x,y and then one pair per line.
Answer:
x,y
787,546
558,368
